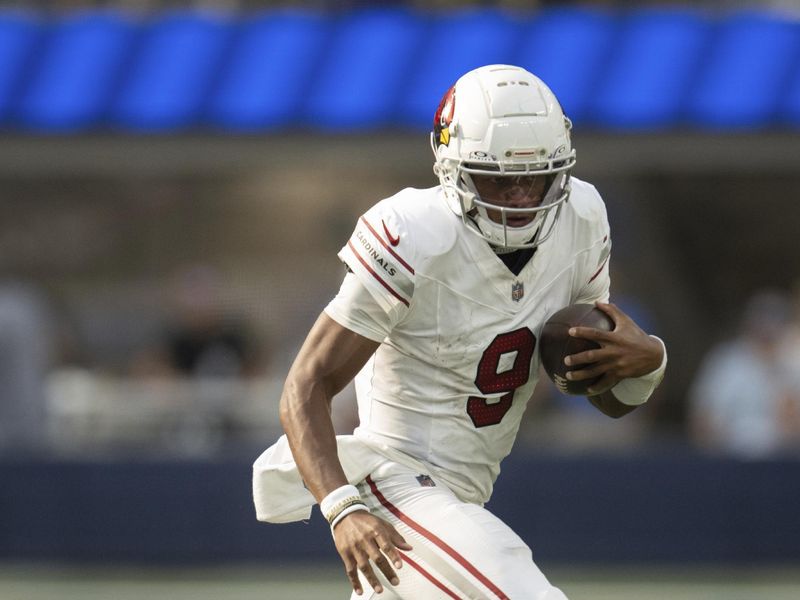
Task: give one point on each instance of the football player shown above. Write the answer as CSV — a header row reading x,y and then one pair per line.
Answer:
x,y
437,319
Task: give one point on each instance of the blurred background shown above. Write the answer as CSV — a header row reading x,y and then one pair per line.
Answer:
x,y
176,178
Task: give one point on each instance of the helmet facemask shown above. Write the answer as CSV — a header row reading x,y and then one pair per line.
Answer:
x,y
456,179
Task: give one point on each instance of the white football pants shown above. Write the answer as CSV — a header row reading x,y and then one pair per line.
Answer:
x,y
460,550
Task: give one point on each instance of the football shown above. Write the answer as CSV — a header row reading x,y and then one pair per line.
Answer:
x,y
555,344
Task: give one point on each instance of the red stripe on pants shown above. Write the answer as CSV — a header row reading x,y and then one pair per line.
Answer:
x,y
436,540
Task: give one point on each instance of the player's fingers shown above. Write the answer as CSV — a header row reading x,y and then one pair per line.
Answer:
x,y
366,570
583,358
607,355
588,373
613,311
382,562
391,552
351,569
390,548
382,553
590,333
399,541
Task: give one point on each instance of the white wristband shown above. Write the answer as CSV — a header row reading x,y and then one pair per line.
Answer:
x,y
346,512
337,500
637,390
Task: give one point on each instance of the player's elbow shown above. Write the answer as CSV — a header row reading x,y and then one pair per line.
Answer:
x,y
303,391
611,407
618,413
296,391
286,410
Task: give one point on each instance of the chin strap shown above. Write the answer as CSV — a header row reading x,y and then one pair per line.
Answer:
x,y
503,249
498,249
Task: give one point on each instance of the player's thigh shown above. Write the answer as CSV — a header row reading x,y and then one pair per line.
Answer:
x,y
460,550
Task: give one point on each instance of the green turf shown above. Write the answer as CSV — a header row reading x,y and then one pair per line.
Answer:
x,y
734,583
327,582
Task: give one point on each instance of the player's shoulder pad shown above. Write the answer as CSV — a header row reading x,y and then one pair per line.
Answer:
x,y
393,239
586,209
586,214
420,218
585,202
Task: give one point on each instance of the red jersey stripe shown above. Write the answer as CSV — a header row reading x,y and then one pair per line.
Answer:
x,y
435,539
389,248
600,270
428,576
375,275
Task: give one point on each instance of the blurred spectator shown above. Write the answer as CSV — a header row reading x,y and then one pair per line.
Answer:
x,y
203,338
790,356
745,399
24,356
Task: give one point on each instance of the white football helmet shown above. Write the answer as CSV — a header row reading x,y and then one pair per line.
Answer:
x,y
503,121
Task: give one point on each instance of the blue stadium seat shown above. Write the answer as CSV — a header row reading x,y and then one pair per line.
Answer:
x,y
457,42
364,69
269,70
747,72
651,68
173,70
567,48
19,35
77,71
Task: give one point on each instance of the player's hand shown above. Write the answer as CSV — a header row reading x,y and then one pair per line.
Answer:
x,y
362,537
627,351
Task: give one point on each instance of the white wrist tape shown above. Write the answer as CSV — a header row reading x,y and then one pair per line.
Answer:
x,y
636,390
338,500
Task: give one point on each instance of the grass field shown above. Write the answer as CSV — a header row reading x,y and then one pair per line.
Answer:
x,y
327,582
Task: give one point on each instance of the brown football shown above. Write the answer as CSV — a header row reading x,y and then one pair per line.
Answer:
x,y
555,343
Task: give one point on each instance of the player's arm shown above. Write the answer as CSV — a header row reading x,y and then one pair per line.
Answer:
x,y
329,358
630,362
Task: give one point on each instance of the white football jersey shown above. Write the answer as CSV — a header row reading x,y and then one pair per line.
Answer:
x,y
449,383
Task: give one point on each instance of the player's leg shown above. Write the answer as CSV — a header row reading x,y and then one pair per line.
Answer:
x,y
460,550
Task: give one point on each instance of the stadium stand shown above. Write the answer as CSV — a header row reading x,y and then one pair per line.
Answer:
x,y
646,68
366,62
173,71
257,68
19,34
651,69
77,71
750,62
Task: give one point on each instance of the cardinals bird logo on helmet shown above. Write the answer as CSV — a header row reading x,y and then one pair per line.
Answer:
x,y
444,117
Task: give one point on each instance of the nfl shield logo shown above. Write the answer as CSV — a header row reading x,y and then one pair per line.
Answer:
x,y
517,291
